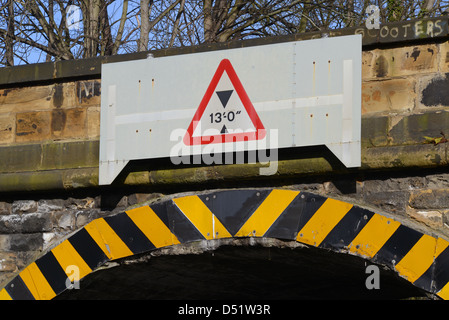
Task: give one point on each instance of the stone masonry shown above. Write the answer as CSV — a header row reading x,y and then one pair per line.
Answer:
x,y
49,138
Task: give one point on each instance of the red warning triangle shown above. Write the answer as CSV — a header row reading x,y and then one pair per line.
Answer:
x,y
225,113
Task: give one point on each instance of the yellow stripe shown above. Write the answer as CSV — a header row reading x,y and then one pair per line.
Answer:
x,y
107,239
441,246
418,259
67,256
323,221
36,283
4,295
444,292
373,236
153,228
267,213
201,217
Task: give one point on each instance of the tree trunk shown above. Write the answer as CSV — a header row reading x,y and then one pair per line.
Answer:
x,y
9,43
91,14
106,34
144,25
208,21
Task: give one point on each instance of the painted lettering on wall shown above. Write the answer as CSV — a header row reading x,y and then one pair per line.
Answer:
x,y
415,30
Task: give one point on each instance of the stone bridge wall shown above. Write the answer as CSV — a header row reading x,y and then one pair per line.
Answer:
x,y
49,140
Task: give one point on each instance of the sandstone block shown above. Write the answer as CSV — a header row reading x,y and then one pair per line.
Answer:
x,y
404,61
68,123
444,57
26,99
63,95
88,92
394,202
33,126
431,218
414,128
7,128
93,122
430,199
389,95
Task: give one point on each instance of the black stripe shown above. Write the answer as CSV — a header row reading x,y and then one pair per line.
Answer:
x,y
295,216
233,208
437,276
180,225
160,209
441,273
18,290
88,249
347,228
130,234
53,272
399,244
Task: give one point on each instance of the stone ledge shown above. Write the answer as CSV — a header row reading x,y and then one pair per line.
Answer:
x,y
49,180
49,156
381,158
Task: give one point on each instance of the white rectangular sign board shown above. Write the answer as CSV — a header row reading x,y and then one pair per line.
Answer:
x,y
283,95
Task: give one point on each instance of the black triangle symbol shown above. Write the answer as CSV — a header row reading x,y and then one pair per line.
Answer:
x,y
224,130
224,96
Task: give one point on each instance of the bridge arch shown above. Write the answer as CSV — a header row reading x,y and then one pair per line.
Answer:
x,y
283,214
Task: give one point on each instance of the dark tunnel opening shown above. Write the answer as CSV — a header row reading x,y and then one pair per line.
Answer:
x,y
243,273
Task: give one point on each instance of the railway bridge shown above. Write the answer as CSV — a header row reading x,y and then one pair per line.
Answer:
x,y
314,228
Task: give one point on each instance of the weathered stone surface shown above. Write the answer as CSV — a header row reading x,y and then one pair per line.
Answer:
x,y
31,181
33,126
50,205
375,131
7,128
430,218
26,99
93,122
403,157
444,57
69,123
83,217
5,208
25,223
394,202
25,242
437,181
388,95
405,61
49,156
433,91
84,203
88,92
430,199
8,262
394,184
24,206
69,155
64,220
414,128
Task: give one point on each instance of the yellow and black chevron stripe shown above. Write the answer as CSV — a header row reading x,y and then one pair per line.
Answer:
x,y
273,213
